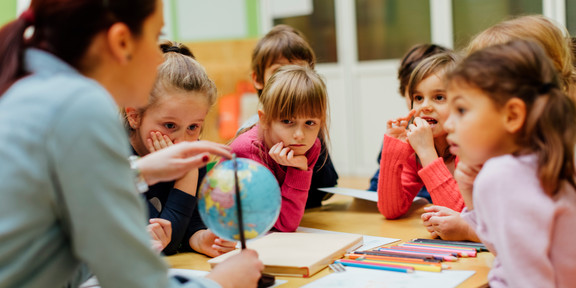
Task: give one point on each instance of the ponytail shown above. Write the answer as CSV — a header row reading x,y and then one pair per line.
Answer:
x,y
12,45
551,131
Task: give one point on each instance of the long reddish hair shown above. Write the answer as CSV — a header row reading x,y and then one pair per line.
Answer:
x,y
64,28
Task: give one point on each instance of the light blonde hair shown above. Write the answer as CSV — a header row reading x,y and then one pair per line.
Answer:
x,y
180,71
553,37
295,91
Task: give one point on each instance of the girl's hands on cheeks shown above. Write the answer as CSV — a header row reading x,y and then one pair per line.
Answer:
x,y
158,141
397,128
205,242
285,156
465,174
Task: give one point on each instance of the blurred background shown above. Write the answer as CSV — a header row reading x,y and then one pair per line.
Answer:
x,y
358,44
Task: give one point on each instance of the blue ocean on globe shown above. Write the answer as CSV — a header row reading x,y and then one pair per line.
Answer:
x,y
260,197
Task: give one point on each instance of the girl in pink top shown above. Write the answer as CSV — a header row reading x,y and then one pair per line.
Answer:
x,y
510,117
286,140
416,154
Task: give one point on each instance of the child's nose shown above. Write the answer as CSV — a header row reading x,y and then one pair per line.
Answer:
x,y
298,134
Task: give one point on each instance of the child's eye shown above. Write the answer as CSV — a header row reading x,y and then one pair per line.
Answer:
x,y
310,123
460,110
286,121
418,98
193,127
440,97
170,125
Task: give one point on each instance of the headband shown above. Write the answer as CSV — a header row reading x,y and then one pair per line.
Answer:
x,y
172,49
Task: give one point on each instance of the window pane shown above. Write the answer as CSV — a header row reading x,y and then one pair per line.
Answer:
x,y
571,17
319,28
473,16
386,29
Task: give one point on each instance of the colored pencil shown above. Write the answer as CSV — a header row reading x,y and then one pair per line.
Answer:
x,y
478,246
419,267
360,264
462,252
439,256
394,259
380,253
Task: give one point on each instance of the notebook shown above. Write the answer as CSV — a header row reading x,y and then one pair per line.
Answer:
x,y
298,254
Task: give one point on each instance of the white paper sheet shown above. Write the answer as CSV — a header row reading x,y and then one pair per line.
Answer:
x,y
357,193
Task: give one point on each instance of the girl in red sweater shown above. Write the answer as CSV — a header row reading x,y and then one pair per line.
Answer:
x,y
286,140
416,152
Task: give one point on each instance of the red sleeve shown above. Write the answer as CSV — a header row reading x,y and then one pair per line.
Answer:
x,y
441,185
295,192
398,182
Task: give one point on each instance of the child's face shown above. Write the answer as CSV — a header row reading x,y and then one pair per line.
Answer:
x,y
180,116
270,69
475,126
299,134
431,104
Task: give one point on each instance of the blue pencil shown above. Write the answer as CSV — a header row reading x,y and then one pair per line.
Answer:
x,y
375,266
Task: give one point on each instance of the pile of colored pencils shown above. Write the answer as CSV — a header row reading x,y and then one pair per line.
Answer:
x,y
418,254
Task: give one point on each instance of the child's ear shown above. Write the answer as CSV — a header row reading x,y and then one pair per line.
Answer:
x,y
262,118
515,114
257,85
133,117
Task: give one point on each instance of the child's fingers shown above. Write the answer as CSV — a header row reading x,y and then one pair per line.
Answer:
x,y
168,141
284,152
150,145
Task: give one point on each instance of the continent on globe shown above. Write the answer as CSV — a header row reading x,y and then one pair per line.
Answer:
x,y
260,197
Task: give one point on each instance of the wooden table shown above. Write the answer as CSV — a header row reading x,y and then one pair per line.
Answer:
x,y
346,214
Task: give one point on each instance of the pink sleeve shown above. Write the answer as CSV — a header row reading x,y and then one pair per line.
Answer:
x,y
441,185
398,182
518,219
295,192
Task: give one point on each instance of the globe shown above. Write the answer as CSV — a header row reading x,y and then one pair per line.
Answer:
x,y
259,194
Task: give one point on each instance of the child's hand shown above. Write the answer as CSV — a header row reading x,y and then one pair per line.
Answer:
x,y
205,242
465,174
397,128
447,224
161,232
285,156
158,141
421,139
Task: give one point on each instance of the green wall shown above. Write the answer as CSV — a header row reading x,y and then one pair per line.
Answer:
x,y
7,11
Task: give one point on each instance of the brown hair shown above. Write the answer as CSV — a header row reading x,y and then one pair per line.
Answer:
x,y
280,41
411,59
553,38
438,64
64,28
296,91
521,69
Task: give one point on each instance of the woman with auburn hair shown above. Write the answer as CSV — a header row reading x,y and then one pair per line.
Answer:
x,y
69,205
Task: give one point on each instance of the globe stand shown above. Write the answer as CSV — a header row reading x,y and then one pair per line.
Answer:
x,y
266,280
